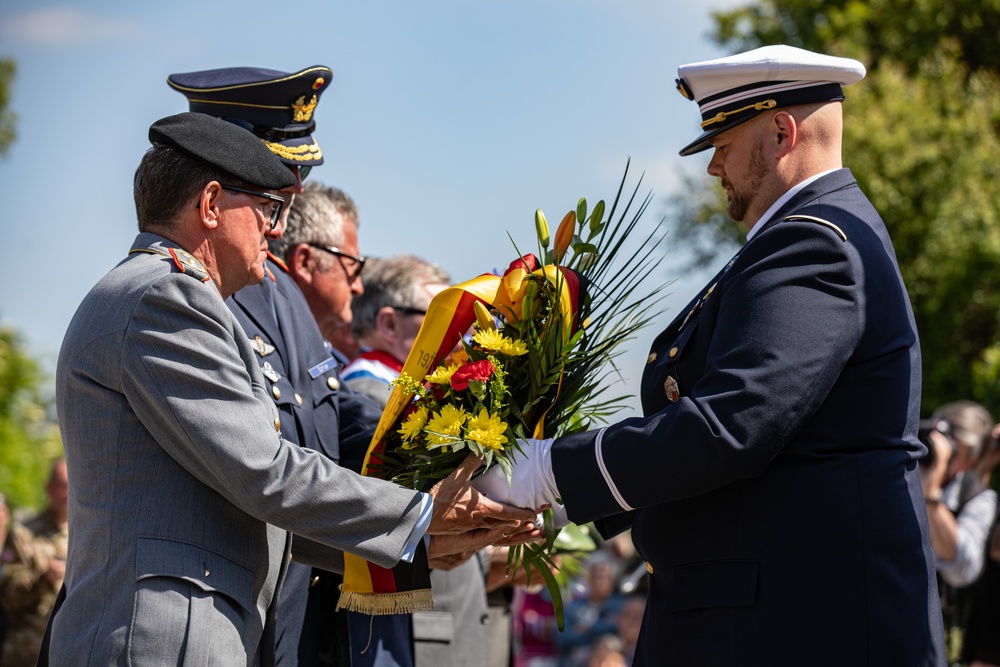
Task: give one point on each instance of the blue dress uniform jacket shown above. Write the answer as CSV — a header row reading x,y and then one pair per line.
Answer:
x,y
774,475
318,413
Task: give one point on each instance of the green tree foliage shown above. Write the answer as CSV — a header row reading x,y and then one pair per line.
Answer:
x,y
7,117
922,135
902,31
29,440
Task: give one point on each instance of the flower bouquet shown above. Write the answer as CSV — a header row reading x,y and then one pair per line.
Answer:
x,y
544,339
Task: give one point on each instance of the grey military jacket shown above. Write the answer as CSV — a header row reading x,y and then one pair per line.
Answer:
x,y
183,494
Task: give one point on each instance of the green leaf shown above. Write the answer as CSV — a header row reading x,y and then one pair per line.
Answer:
x,y
554,592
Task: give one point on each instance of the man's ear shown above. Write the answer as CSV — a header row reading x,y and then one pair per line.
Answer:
x,y
208,204
386,323
301,262
785,132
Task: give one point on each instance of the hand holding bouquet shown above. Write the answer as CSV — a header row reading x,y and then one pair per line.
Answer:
x,y
545,337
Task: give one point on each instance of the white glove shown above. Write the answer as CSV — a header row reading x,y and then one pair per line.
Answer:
x,y
559,518
531,481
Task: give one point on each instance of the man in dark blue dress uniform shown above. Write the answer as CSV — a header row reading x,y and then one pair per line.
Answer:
x,y
772,484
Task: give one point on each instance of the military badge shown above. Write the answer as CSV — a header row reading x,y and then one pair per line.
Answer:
x,y
268,370
683,89
671,389
302,111
261,346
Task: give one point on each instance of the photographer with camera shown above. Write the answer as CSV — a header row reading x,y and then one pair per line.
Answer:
x,y
960,509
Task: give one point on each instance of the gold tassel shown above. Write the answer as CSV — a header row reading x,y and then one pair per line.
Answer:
x,y
385,604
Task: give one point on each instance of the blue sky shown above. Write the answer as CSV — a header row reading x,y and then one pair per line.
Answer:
x,y
448,121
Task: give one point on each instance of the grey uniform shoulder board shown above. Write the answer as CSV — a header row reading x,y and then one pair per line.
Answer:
x,y
183,260
821,221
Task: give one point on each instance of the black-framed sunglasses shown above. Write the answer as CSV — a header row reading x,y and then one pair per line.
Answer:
x,y
304,171
408,310
355,266
279,202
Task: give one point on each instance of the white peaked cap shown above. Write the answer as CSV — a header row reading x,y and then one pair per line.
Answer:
x,y
732,90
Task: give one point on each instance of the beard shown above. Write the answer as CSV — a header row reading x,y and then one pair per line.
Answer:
x,y
744,195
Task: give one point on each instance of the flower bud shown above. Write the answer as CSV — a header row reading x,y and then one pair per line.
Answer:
x,y
541,228
586,261
595,218
564,236
581,209
528,303
483,317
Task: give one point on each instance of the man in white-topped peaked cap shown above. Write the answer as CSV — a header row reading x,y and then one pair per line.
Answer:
x,y
772,483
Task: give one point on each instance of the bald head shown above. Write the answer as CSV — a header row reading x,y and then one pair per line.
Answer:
x,y
762,158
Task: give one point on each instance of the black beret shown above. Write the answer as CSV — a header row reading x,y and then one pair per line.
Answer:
x,y
224,145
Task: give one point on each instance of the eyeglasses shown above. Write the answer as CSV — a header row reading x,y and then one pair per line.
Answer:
x,y
277,201
304,171
408,310
354,263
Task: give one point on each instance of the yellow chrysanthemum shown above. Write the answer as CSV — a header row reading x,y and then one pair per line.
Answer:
x,y
448,422
412,426
494,341
488,430
442,374
514,348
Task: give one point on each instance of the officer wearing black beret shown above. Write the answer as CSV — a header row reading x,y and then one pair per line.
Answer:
x,y
772,484
183,492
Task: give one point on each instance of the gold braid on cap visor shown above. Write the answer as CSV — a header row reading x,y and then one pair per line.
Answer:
x,y
297,153
722,115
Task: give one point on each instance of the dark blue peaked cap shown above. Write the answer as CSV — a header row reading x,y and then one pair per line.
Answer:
x,y
276,106
222,145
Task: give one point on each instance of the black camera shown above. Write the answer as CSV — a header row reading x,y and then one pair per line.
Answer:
x,y
924,435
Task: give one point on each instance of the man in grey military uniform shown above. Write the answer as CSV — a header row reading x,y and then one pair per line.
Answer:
x,y
184,494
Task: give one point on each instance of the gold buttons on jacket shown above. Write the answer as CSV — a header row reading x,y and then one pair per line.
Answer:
x,y
673,352
277,423
651,358
649,568
333,383
276,392
298,399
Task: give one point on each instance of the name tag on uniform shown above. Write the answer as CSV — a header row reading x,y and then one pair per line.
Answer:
x,y
322,367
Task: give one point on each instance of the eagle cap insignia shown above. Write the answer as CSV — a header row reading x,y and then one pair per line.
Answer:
x,y
302,111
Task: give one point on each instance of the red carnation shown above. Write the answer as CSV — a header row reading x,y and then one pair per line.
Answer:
x,y
475,370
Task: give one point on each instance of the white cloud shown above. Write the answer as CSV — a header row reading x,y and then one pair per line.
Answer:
x,y
65,25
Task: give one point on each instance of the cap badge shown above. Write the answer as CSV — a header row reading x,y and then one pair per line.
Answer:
x,y
683,89
302,111
318,83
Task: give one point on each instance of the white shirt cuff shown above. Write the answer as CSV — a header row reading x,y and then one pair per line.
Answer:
x,y
423,523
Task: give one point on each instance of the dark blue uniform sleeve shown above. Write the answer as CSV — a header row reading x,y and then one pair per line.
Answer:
x,y
751,367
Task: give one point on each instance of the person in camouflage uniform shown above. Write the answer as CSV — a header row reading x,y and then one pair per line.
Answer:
x,y
34,562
